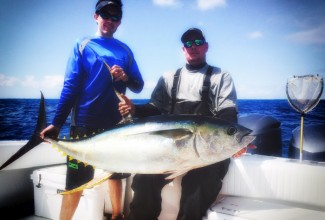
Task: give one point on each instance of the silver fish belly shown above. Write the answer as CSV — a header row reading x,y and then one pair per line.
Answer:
x,y
160,144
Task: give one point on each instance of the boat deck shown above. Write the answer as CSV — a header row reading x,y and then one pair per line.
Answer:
x,y
268,184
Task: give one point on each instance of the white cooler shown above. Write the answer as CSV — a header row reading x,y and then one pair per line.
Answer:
x,y
49,182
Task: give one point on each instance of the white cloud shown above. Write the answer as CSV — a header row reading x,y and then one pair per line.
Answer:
x,y
47,81
210,4
166,2
201,4
53,81
313,35
7,80
255,35
30,81
30,85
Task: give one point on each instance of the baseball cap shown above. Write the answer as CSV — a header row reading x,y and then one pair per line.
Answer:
x,y
101,4
192,32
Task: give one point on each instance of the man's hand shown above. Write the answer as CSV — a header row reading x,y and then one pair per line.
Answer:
x,y
51,131
119,74
126,107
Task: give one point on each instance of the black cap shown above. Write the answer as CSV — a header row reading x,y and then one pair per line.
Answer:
x,y
101,4
192,31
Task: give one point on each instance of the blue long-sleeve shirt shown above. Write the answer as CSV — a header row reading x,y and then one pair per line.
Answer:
x,y
88,86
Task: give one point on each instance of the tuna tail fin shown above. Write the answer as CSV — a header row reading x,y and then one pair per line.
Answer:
x,y
35,139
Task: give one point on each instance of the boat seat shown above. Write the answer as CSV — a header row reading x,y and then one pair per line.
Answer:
x,y
241,208
257,178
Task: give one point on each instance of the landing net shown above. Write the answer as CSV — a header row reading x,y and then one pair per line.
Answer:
x,y
303,94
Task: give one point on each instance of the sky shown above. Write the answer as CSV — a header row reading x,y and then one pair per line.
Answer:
x,y
261,43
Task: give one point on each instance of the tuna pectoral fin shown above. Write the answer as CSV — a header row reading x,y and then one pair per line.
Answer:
x,y
35,138
94,182
175,134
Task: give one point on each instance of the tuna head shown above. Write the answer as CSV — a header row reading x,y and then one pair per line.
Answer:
x,y
217,140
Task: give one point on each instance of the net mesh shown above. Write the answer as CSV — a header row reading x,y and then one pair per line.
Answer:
x,y
304,92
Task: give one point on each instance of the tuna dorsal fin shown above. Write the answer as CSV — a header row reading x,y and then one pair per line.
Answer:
x,y
92,183
175,134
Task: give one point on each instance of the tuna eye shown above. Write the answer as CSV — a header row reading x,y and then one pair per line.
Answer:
x,y
231,131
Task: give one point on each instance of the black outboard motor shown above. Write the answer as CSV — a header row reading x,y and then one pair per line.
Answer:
x,y
267,131
313,143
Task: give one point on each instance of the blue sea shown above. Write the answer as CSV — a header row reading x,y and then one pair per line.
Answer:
x,y
18,117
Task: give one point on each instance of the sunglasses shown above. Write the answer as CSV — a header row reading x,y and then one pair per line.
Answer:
x,y
106,15
190,43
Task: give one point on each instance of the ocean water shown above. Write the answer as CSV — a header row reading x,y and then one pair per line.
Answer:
x,y
18,117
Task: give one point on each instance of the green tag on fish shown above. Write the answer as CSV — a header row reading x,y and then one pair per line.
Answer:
x,y
73,165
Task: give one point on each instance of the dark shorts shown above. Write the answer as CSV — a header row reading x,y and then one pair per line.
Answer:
x,y
77,173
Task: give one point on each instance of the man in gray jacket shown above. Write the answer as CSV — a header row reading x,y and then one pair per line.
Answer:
x,y
200,89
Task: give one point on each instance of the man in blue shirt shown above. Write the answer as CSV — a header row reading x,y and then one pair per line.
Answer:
x,y
98,69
